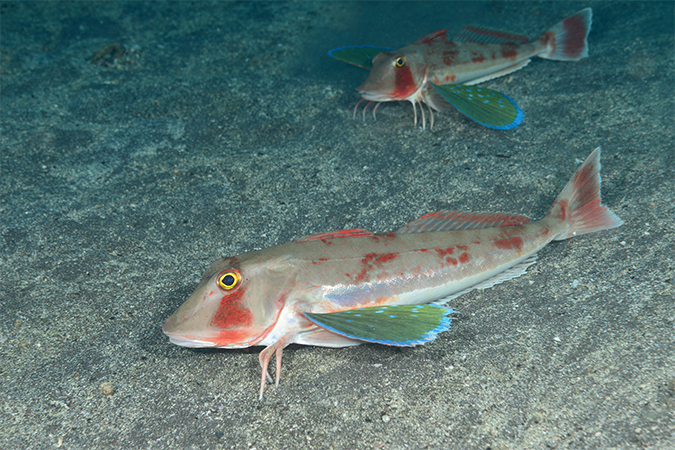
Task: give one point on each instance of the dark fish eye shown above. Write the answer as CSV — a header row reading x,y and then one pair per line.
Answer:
x,y
400,61
229,280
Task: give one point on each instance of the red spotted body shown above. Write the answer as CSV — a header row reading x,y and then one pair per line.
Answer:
x,y
263,297
473,56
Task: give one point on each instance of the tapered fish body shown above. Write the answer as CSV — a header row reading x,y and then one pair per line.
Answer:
x,y
423,71
324,289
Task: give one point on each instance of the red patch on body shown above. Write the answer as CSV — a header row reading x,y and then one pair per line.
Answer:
x,y
478,59
230,314
379,258
462,247
509,243
509,53
464,258
451,260
445,251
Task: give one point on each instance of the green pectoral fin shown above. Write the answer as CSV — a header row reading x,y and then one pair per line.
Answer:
x,y
403,326
359,56
487,107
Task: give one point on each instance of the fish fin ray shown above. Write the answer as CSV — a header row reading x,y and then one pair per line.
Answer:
x,y
488,36
360,56
460,220
324,338
566,40
438,35
514,272
489,108
396,325
580,203
335,235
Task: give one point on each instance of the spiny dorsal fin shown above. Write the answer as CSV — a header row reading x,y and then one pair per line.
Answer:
x,y
458,220
399,325
489,36
335,235
436,35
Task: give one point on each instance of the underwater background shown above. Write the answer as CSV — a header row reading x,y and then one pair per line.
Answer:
x,y
140,141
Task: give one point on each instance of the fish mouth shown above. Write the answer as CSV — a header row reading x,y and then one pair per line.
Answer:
x,y
375,97
193,343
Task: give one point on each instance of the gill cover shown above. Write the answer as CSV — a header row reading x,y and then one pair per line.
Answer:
x,y
394,76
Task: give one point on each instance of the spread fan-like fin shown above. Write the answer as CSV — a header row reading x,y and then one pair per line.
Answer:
x,y
398,325
359,56
487,107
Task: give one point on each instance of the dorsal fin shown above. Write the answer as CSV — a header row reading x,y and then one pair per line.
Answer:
x,y
459,220
488,36
439,34
335,235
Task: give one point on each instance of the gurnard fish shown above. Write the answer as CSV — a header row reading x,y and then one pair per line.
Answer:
x,y
348,287
440,72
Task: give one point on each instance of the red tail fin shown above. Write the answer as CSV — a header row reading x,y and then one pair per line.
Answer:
x,y
579,202
566,40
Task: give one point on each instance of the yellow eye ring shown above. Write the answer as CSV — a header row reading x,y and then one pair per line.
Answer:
x,y
400,61
229,280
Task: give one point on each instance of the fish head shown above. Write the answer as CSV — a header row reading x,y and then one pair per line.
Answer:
x,y
236,304
395,76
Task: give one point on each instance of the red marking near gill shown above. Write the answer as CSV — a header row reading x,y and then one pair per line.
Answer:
x,y
405,84
464,258
326,242
509,243
575,32
230,314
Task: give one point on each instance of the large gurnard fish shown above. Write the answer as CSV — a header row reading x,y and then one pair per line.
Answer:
x,y
347,287
440,72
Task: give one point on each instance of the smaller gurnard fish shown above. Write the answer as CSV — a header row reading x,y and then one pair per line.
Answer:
x,y
348,287
439,72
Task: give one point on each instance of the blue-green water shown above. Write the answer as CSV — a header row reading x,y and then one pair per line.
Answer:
x,y
140,141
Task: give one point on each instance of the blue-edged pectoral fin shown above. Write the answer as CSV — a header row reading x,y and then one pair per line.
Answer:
x,y
403,326
487,107
361,56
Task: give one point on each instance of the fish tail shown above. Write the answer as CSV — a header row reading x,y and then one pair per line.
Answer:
x,y
566,40
579,203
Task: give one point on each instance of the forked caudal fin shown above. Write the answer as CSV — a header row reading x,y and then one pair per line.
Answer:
x,y
579,203
566,40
